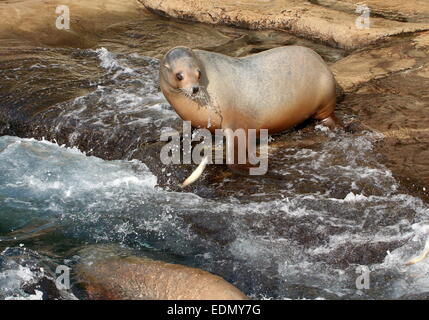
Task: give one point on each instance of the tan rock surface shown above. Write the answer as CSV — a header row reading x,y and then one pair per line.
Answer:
x,y
373,63
364,66
34,20
312,21
400,10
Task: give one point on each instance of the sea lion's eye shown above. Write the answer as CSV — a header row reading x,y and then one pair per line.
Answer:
x,y
199,74
179,76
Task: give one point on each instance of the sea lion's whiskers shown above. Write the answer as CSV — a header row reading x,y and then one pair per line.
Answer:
x,y
206,102
185,93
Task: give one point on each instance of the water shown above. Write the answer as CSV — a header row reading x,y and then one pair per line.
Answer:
x,y
93,176
305,245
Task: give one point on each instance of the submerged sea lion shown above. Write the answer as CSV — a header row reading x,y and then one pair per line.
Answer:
x,y
110,272
276,89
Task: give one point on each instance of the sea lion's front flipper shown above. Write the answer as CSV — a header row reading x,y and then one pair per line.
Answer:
x,y
242,156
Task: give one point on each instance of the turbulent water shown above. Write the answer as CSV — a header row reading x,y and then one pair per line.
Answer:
x,y
337,207
257,245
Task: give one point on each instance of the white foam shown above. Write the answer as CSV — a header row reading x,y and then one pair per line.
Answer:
x,y
351,197
108,61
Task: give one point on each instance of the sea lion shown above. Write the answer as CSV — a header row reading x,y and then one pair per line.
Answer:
x,y
112,272
275,89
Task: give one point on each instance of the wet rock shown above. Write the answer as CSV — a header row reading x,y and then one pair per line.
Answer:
x,y
107,273
337,28
126,25
35,21
4,125
395,103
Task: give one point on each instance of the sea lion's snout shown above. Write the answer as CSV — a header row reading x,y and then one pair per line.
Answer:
x,y
186,79
190,82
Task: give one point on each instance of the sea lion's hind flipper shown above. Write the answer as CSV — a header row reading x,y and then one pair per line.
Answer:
x,y
332,122
325,114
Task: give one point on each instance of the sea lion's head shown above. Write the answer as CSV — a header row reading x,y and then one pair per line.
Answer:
x,y
180,69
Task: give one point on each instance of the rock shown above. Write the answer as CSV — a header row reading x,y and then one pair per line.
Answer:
x,y
336,28
35,20
4,125
392,98
379,61
398,10
108,274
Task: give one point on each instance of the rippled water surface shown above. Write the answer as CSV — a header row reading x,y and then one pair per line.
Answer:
x,y
336,207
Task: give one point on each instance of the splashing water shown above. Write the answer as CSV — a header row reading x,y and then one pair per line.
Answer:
x,y
312,242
